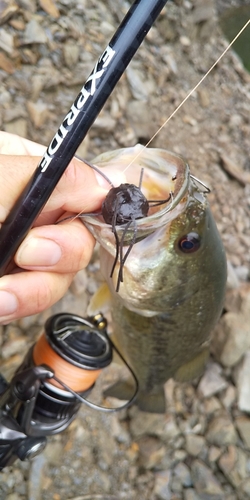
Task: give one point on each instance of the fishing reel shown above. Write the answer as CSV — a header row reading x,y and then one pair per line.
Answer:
x,y
55,377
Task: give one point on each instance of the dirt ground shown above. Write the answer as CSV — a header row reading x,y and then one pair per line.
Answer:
x,y
201,448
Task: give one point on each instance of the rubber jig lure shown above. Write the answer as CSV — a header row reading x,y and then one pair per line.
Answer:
x,y
123,205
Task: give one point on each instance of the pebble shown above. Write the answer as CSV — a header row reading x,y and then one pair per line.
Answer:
x,y
233,464
228,398
236,328
190,494
6,41
242,377
34,33
38,112
213,454
50,7
71,52
243,425
182,474
162,485
140,85
139,115
194,444
205,483
151,452
212,381
221,431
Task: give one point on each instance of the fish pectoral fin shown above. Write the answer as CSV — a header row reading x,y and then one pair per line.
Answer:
x,y
100,301
121,390
193,368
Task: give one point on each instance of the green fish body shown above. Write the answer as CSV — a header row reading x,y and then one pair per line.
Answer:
x,y
173,279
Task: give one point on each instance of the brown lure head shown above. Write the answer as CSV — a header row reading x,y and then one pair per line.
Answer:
x,y
123,204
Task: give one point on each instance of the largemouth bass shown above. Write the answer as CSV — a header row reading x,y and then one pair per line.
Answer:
x,y
173,279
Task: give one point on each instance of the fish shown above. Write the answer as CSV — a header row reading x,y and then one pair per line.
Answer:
x,y
173,281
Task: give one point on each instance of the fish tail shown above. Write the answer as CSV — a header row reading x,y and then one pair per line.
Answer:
x,y
151,401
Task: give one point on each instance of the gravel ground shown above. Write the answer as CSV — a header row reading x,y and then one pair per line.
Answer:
x,y
200,449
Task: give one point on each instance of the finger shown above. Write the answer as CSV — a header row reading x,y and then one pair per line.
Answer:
x,y
80,189
30,293
64,248
10,143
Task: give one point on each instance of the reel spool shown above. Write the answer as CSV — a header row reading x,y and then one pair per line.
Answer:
x,y
76,349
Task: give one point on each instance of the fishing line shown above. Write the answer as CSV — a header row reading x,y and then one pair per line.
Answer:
x,y
189,94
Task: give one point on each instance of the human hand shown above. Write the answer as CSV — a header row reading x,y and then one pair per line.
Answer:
x,y
50,255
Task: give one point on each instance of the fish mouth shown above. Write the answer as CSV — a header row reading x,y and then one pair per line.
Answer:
x,y
165,177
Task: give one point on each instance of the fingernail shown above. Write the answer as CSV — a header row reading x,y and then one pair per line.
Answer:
x,y
38,252
8,303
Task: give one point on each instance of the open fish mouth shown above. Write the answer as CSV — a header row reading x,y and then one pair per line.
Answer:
x,y
165,176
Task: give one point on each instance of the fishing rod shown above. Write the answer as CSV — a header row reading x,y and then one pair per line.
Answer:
x,y
61,368
86,107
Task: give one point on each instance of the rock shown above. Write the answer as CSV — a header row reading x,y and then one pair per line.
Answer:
x,y
233,464
244,490
232,278
139,115
71,53
221,431
179,455
212,382
228,398
6,41
151,452
6,64
213,454
242,273
14,346
212,405
237,331
38,112
141,86
205,483
202,12
162,485
50,7
7,9
166,29
243,426
34,33
104,124
242,377
163,426
204,98
194,444
189,494
182,473
53,452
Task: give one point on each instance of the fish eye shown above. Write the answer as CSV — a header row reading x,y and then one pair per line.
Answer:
x,y
189,243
